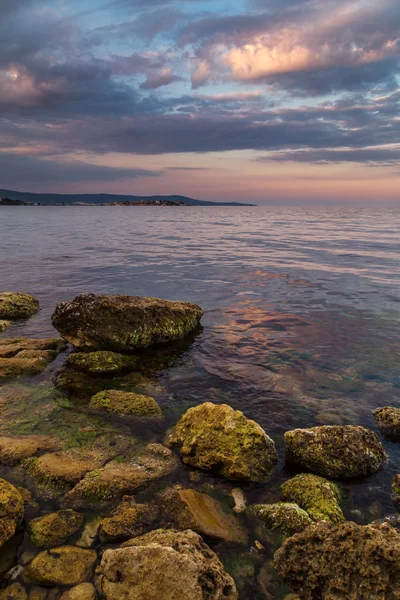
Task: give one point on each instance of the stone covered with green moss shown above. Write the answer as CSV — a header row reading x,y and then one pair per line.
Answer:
x,y
102,362
4,325
123,323
388,419
11,510
217,438
55,528
287,517
128,520
337,452
17,305
317,496
396,491
126,403
64,565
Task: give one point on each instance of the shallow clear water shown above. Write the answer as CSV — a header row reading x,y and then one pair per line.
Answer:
x,y
302,311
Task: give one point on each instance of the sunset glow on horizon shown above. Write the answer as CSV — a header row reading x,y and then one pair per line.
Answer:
x,y
263,101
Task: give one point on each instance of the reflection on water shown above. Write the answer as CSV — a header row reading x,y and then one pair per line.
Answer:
x,y
301,326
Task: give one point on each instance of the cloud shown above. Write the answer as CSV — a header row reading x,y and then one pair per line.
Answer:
x,y
373,156
160,79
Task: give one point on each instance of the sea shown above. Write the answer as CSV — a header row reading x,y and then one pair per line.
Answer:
x,y
301,325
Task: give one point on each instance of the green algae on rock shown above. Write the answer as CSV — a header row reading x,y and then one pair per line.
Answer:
x,y
4,325
317,496
17,305
190,509
64,565
123,323
388,419
102,362
217,438
337,452
339,561
128,520
83,591
104,487
396,491
11,510
286,517
55,528
126,403
164,564
11,368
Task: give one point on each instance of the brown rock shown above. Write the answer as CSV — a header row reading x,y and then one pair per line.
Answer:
x,y
65,565
84,591
128,520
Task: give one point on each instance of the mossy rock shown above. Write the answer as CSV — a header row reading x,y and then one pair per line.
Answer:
x,y
396,491
102,362
126,403
11,368
17,305
55,528
15,591
11,510
317,496
388,419
336,452
217,438
83,591
4,325
64,565
128,520
123,323
287,517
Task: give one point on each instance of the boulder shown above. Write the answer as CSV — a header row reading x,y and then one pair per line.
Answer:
x,y
396,491
102,362
90,533
55,528
340,561
83,591
337,452
64,565
128,520
126,403
4,325
190,509
123,323
11,510
317,496
165,565
17,448
217,438
59,471
103,488
17,305
388,419
15,591
286,517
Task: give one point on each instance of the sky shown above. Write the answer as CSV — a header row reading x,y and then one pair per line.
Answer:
x,y
266,101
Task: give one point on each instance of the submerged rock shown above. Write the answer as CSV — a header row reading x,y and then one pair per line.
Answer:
x,y
128,520
17,305
342,561
83,591
104,487
24,357
126,403
287,517
165,565
17,448
123,323
190,509
217,438
338,452
11,368
90,533
396,491
65,565
11,347
388,419
317,496
102,362
11,510
55,528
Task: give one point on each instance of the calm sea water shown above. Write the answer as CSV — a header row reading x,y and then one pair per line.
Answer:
x,y
302,308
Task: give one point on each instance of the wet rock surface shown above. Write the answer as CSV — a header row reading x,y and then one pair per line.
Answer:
x,y
55,528
190,509
317,496
286,517
15,449
342,561
164,565
64,565
123,323
388,419
17,305
128,520
126,403
337,452
396,491
102,362
11,510
216,438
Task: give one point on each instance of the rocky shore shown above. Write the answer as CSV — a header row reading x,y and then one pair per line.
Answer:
x,y
114,501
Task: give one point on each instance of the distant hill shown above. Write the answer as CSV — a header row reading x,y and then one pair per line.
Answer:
x,y
105,199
